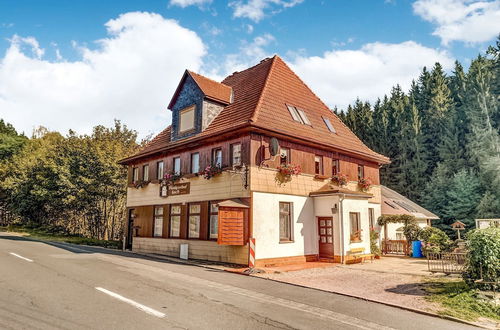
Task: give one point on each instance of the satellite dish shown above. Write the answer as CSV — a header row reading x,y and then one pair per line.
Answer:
x,y
274,146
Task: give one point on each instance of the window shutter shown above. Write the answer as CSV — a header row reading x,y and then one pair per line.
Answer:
x,y
231,226
166,220
129,174
153,171
245,153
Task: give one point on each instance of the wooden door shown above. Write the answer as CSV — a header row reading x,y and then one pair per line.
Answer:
x,y
325,231
231,226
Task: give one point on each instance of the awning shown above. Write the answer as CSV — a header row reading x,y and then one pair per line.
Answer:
x,y
331,189
236,202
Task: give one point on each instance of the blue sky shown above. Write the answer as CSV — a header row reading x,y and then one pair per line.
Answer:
x,y
52,53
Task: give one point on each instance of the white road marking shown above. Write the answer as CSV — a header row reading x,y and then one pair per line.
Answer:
x,y
17,255
143,308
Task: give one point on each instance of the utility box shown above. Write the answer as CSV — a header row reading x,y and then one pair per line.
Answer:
x,y
183,251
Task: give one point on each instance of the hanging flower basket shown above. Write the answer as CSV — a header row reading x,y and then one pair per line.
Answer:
x,y
339,179
210,171
171,178
364,184
285,173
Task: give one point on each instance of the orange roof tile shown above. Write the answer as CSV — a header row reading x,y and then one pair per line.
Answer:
x,y
212,89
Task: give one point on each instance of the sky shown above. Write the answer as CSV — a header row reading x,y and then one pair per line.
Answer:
x,y
77,64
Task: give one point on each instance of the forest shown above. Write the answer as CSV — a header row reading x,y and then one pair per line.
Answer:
x,y
443,138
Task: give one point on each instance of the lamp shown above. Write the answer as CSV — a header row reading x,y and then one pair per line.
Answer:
x,y
335,208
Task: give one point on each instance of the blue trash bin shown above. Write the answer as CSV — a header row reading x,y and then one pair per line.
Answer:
x,y
416,247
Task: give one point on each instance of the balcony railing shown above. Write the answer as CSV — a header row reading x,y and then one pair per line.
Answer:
x,y
397,247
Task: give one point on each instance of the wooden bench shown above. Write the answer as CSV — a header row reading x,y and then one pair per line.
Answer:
x,y
357,255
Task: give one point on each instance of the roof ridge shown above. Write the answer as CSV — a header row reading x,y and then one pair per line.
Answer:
x,y
264,88
212,80
247,69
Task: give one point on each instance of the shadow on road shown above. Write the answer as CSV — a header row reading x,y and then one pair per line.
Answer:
x,y
414,289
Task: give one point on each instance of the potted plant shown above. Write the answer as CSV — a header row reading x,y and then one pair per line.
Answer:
x,y
374,248
210,171
339,179
171,178
285,173
364,184
140,184
356,236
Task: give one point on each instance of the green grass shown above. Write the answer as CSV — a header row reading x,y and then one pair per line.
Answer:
x,y
459,300
47,235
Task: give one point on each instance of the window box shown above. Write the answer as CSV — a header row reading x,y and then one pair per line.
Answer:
x,y
285,173
139,184
320,177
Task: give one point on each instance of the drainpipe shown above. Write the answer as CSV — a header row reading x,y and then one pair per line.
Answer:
x,y
341,217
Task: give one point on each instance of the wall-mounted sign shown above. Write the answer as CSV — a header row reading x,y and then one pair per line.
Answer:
x,y
175,189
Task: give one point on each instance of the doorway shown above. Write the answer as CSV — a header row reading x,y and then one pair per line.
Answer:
x,y
130,228
325,231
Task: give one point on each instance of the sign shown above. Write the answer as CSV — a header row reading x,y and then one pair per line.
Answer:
x,y
175,189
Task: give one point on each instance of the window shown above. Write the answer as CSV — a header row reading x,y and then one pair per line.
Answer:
x,y
159,170
303,116
371,216
318,165
135,174
399,236
335,166
355,227
177,165
213,231
329,125
217,157
195,162
158,222
286,222
236,154
284,156
298,115
194,221
175,221
145,173
186,121
361,172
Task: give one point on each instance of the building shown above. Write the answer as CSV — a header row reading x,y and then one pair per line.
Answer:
x,y
395,203
235,127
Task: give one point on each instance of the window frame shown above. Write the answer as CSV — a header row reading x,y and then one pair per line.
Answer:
x,y
231,148
303,116
329,125
145,172
290,222
214,157
135,174
160,173
294,113
191,108
210,214
355,237
361,171
173,165
192,163
170,221
320,169
157,217
189,215
335,166
285,160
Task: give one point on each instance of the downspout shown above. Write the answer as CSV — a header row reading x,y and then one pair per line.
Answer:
x,y
341,217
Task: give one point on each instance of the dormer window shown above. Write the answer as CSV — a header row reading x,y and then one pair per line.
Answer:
x,y
186,119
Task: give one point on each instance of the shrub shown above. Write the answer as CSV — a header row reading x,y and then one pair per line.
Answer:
x,y
412,232
374,235
483,253
435,240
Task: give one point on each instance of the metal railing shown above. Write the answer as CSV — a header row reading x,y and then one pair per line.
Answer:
x,y
448,263
399,247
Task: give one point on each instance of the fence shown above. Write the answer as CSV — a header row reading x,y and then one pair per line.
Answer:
x,y
448,263
400,247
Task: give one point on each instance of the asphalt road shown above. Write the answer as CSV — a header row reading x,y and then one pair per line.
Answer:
x,y
62,286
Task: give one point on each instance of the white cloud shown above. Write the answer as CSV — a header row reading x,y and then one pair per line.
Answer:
x,y
340,76
256,9
470,21
131,76
187,3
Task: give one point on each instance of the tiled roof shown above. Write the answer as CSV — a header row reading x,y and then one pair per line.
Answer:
x,y
212,89
159,142
395,203
260,96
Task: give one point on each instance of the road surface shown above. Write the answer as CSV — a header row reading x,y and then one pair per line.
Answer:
x,y
63,286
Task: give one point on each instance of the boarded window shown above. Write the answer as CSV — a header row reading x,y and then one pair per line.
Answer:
x,y
194,221
175,221
158,222
231,226
186,122
214,221
286,220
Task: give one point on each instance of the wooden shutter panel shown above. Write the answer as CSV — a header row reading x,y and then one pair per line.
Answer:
x,y
231,226
129,174
153,168
166,221
245,152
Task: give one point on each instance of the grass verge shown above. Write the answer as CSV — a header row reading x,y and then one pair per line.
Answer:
x,y
460,301
43,234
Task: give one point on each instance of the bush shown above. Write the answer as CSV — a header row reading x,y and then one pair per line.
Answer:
x,y
483,252
412,232
374,235
435,240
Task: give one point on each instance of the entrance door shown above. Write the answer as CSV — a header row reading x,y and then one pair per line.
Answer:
x,y
325,228
130,232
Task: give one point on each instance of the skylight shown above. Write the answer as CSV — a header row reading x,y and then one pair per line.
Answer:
x,y
298,115
329,125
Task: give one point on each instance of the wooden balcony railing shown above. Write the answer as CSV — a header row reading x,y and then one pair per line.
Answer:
x,y
398,247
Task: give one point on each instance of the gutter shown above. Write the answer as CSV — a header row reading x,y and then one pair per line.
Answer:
x,y
341,218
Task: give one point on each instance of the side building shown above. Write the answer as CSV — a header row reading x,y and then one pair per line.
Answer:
x,y
252,157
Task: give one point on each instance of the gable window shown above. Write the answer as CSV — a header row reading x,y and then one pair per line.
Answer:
x,y
217,157
213,230
371,216
175,220
135,174
298,115
318,165
335,166
145,173
286,217
195,162
158,222
186,119
361,172
177,165
194,221
284,156
329,125
355,226
236,154
159,170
